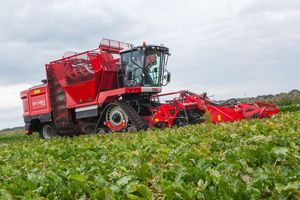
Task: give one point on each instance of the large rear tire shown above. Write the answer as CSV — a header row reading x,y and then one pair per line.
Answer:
x,y
47,131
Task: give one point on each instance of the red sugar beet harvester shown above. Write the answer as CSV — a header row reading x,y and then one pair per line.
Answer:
x,y
116,88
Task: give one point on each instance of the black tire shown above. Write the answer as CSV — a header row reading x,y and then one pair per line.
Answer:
x,y
47,131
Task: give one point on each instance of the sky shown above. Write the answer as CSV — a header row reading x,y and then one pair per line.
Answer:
x,y
227,48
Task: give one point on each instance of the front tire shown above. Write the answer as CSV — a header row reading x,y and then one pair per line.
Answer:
x,y
47,131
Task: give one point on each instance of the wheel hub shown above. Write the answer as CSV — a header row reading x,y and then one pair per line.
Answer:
x,y
116,116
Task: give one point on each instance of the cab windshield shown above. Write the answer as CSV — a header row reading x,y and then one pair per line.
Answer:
x,y
142,67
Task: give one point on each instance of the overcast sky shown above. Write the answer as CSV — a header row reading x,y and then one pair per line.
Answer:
x,y
228,48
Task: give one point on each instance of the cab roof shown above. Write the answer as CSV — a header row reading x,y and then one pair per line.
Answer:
x,y
148,47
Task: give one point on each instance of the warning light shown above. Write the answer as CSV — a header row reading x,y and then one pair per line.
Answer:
x,y
36,91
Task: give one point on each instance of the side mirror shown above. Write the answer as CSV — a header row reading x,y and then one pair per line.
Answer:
x,y
44,81
129,76
168,77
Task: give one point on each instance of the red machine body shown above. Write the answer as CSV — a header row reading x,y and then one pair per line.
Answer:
x,y
115,88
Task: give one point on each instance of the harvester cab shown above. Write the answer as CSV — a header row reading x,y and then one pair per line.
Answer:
x,y
145,66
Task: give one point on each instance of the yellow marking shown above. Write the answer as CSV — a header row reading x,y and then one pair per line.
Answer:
x,y
219,117
156,120
37,91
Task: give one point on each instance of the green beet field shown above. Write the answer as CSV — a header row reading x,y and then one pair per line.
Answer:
x,y
251,159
